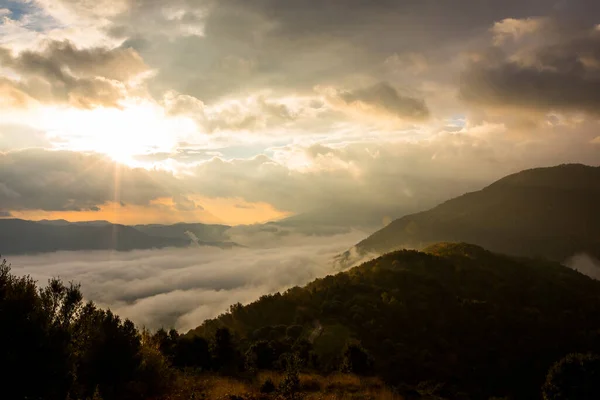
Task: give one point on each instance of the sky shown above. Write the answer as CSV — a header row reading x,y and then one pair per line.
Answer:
x,y
245,111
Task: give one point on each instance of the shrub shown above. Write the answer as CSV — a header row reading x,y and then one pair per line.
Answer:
x,y
268,386
290,385
356,360
577,376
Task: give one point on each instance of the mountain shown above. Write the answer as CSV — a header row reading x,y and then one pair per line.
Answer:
x,y
19,236
201,232
547,212
63,222
456,315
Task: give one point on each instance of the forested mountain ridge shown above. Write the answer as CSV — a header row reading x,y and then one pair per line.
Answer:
x,y
479,322
543,212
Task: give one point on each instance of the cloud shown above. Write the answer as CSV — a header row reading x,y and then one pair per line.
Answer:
x,y
5,214
181,288
382,99
560,71
585,264
244,206
63,180
515,29
252,113
16,137
296,103
12,96
83,77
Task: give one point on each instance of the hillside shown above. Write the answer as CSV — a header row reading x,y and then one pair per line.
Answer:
x,y
203,232
546,212
26,237
481,323
20,237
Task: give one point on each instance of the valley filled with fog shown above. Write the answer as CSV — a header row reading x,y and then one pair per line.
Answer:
x,y
182,287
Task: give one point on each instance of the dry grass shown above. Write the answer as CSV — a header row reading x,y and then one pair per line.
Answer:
x,y
312,387
336,387
223,388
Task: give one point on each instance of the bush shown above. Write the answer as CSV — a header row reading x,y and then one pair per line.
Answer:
x,y
577,376
260,355
268,386
290,385
294,331
356,360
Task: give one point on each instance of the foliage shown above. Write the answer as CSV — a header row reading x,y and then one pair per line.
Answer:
x,y
290,385
68,347
356,360
485,324
577,376
458,319
267,387
260,355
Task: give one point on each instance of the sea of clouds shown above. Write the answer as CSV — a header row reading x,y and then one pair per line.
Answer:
x,y
182,287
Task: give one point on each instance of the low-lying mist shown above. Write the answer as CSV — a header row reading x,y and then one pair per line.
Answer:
x,y
585,264
182,287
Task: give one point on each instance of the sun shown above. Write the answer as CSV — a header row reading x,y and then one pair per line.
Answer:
x,y
120,133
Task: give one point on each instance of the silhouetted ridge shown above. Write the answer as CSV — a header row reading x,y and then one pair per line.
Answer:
x,y
543,212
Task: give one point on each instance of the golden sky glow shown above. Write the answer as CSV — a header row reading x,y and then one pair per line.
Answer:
x,y
215,211
253,111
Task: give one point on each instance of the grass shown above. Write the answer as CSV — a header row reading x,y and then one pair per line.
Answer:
x,y
312,387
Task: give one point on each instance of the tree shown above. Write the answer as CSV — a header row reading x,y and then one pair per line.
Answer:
x,y
36,336
192,352
356,360
69,349
577,376
260,355
223,350
290,385
109,353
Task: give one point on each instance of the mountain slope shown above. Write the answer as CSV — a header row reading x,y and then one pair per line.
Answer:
x,y
550,212
482,323
20,236
203,232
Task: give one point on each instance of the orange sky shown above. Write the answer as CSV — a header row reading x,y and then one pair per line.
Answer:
x,y
228,211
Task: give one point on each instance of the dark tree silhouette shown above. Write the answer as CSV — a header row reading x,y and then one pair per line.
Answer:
x,y
356,360
577,376
54,346
223,350
260,355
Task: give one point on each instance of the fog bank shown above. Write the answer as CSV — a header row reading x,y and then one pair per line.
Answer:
x,y
182,287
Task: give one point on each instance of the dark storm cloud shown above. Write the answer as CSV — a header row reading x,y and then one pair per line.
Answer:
x,y
63,180
559,71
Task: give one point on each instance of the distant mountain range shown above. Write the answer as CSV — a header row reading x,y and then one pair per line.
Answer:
x,y
21,237
544,212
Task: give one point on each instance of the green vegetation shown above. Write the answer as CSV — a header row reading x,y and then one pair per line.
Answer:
x,y
543,212
454,322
